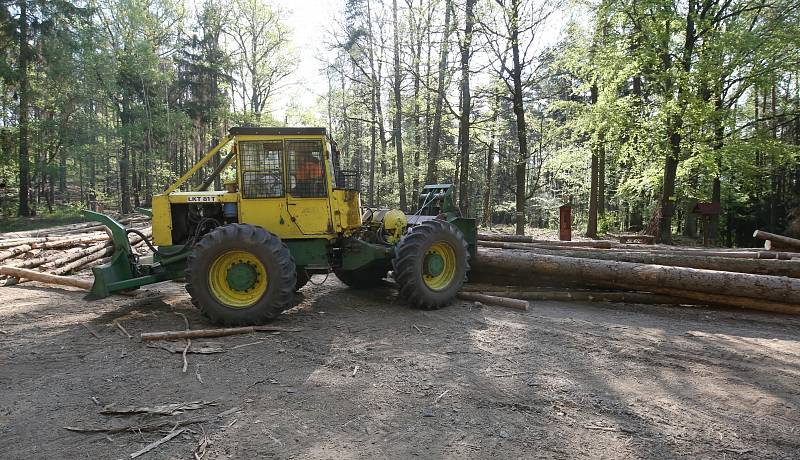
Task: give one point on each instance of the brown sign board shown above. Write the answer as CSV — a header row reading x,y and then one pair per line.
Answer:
x,y
707,209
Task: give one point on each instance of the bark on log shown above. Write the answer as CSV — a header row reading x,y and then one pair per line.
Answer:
x,y
222,332
565,250
80,262
684,259
494,300
45,277
775,288
530,239
15,251
777,241
590,296
723,300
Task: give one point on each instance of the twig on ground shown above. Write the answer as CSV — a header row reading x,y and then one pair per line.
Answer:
x,y
355,370
197,373
90,331
204,443
438,398
155,444
247,344
511,374
122,328
185,361
418,329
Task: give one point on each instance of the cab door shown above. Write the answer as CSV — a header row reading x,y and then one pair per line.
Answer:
x,y
307,199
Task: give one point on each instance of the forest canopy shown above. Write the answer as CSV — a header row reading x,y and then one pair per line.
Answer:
x,y
632,111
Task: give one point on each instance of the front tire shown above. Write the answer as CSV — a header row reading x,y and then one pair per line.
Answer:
x,y
431,264
241,275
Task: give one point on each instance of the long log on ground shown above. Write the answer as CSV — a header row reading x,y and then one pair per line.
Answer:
x,y
494,300
789,268
672,250
530,239
222,332
723,300
775,288
590,296
45,277
8,243
777,241
70,254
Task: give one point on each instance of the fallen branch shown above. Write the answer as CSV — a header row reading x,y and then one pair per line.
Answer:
x,y
494,300
163,409
151,426
155,444
222,332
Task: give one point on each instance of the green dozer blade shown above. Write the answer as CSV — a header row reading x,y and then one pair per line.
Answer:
x,y
121,268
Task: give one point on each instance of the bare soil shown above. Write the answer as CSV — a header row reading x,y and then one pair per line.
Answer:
x,y
369,377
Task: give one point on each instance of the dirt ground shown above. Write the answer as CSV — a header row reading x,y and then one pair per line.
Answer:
x,y
368,377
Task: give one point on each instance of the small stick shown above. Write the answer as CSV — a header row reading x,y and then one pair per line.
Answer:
x,y
197,373
355,370
247,344
155,444
438,398
511,374
185,350
90,331
121,328
418,329
494,300
188,341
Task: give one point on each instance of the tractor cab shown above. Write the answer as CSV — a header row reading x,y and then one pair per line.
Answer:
x,y
284,180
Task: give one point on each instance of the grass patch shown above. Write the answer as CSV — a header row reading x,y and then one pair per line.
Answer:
x,y
61,216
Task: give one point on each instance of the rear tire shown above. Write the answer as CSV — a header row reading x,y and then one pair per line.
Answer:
x,y
241,275
431,264
302,278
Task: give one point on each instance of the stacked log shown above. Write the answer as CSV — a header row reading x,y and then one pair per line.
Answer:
x,y
742,278
773,241
44,254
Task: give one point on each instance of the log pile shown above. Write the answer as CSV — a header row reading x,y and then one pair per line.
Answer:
x,y
51,255
607,271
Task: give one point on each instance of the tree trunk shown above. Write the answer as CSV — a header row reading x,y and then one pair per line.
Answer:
x,y
24,101
466,108
520,169
435,142
398,112
487,192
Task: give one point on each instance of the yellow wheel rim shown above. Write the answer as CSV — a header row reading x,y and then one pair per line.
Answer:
x,y
237,279
439,266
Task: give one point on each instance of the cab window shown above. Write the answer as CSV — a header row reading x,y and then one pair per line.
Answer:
x,y
306,169
262,169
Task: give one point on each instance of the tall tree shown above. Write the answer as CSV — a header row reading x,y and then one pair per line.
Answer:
x,y
431,175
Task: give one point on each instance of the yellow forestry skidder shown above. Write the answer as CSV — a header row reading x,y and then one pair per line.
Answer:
x,y
289,213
